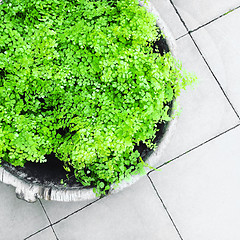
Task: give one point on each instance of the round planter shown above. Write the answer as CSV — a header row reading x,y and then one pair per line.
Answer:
x,y
30,189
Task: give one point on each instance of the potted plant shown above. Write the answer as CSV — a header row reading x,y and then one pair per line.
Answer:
x,y
85,85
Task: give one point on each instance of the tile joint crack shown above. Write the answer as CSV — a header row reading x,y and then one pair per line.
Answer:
x,y
196,147
48,219
207,23
165,208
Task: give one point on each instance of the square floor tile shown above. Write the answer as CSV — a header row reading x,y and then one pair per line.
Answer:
x,y
201,190
219,44
170,17
196,13
134,213
19,219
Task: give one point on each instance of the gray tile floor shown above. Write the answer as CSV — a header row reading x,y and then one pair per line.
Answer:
x,y
196,193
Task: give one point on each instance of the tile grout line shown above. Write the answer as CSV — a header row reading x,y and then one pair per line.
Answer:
x,y
51,224
80,209
225,94
48,219
165,207
205,59
181,19
185,34
37,232
196,147
207,23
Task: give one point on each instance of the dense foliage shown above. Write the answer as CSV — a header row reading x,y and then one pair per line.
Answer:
x,y
79,78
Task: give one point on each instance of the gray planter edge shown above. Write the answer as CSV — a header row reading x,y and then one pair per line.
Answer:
x,y
30,192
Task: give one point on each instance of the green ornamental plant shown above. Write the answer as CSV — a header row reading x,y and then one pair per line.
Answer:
x,y
80,79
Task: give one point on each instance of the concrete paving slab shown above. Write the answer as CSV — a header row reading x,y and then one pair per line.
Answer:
x,y
19,219
205,110
135,213
57,210
169,15
44,235
219,44
197,13
201,190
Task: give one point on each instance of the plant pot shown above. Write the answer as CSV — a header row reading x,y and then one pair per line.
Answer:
x,y
30,188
